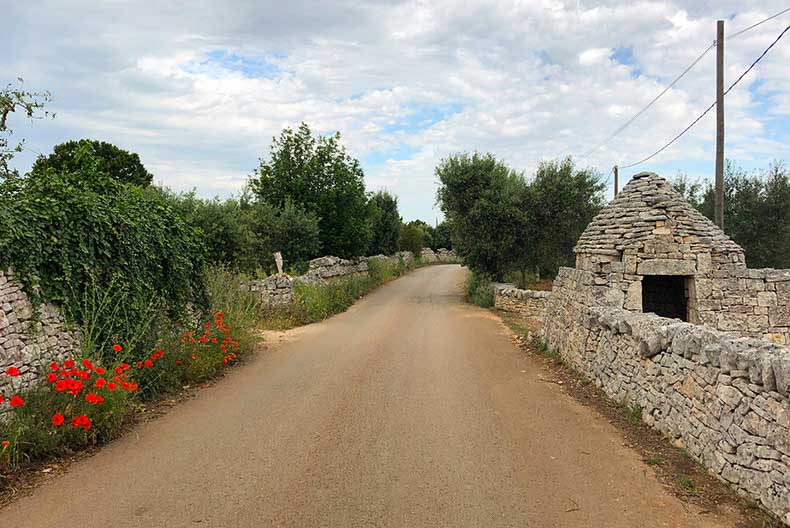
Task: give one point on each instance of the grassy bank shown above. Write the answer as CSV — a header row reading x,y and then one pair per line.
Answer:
x,y
88,399
315,302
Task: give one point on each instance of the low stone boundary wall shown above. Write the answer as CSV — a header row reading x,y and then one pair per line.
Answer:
x,y
529,304
29,340
724,398
443,255
278,290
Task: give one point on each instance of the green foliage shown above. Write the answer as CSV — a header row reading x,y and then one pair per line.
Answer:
x,y
30,104
111,160
500,222
288,229
384,224
562,201
411,238
245,235
68,234
318,176
442,236
633,413
756,211
484,202
479,290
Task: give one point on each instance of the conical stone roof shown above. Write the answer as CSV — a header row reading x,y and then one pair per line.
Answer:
x,y
646,208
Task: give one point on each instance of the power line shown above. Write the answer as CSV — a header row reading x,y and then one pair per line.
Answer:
x,y
674,82
744,30
712,104
651,103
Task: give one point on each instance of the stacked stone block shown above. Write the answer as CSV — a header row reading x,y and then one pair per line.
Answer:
x,y
528,304
723,397
29,340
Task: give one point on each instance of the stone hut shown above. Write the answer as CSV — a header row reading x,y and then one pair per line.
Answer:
x,y
655,253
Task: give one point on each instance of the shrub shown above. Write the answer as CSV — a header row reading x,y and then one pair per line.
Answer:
x,y
479,291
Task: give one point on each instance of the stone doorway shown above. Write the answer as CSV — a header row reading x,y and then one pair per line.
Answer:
x,y
666,295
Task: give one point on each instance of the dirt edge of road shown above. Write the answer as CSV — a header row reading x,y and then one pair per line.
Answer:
x,y
675,469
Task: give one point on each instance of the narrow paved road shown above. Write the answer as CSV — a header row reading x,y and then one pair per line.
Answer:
x,y
412,409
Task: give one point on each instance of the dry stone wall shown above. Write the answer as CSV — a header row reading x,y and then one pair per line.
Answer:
x,y
278,290
724,397
528,304
29,340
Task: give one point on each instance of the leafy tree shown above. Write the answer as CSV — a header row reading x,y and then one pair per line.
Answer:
x,y
318,176
442,236
384,224
482,199
290,230
756,212
30,105
118,163
411,238
500,222
562,201
427,232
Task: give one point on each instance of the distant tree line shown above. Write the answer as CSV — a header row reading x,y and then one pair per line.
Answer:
x,y
756,211
504,224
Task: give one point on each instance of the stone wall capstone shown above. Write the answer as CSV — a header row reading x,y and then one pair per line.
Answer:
x,y
724,397
29,341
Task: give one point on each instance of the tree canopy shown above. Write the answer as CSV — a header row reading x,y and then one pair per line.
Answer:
x,y
317,175
756,211
30,104
500,222
384,224
120,164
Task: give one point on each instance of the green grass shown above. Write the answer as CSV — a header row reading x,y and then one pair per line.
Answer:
x,y
687,484
655,461
315,302
633,413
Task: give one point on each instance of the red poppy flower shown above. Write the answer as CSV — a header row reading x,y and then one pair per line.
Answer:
x,y
117,348
99,370
133,386
203,339
81,421
58,419
101,382
5,443
125,385
61,386
52,377
69,363
16,401
54,366
87,364
118,370
12,371
139,364
2,398
111,386
125,366
93,398
179,362
148,363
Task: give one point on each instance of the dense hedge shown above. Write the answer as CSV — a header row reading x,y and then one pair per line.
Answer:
x,y
111,252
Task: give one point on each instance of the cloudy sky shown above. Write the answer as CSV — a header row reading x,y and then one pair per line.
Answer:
x,y
199,88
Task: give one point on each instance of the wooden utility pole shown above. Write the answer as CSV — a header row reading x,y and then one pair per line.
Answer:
x,y
719,202
615,181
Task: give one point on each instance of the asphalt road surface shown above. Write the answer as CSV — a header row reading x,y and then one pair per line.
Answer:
x,y
411,409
